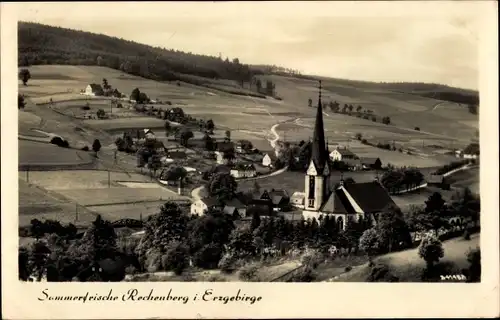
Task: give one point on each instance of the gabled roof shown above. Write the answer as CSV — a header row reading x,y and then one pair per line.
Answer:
x,y
277,196
365,160
236,203
95,87
345,152
370,196
472,148
244,167
209,202
271,155
352,162
337,203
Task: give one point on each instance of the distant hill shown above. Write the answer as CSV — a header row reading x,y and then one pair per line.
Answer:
x,y
40,44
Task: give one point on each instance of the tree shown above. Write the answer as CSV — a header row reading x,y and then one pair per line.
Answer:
x,y
101,113
350,108
24,76
168,127
20,102
359,136
96,146
359,108
392,229
431,250
222,185
310,103
228,136
143,98
473,108
370,243
435,211
176,257
135,95
105,84
185,136
255,221
386,120
229,155
210,126
474,259
161,229
99,241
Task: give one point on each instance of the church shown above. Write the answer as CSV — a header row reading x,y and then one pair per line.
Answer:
x,y
352,201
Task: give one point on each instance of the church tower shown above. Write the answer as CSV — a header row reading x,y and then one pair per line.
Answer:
x,y
317,179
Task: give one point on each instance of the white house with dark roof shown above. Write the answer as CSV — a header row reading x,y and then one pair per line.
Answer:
x,y
471,151
342,154
201,206
352,201
94,89
269,159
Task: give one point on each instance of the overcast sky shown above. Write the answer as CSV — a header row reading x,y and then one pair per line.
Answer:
x,y
365,41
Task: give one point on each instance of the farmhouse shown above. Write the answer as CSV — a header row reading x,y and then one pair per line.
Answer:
x,y
371,163
353,164
471,151
235,207
438,180
200,206
342,154
353,201
269,159
94,89
242,170
278,198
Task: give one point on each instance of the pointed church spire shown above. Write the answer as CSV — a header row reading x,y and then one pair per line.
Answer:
x,y
319,151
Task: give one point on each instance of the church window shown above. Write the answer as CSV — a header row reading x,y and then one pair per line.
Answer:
x,y
340,223
311,202
311,187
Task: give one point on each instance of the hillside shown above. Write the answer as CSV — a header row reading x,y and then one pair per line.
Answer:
x,y
46,45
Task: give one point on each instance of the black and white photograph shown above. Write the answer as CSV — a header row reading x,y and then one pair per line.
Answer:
x,y
161,143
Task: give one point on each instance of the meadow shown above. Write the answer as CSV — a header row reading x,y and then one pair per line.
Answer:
x,y
409,267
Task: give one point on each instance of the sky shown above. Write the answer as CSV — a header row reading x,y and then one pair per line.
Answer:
x,y
397,41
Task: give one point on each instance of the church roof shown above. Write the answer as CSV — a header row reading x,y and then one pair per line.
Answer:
x,y
319,154
371,197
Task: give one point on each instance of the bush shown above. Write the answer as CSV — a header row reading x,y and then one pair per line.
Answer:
x,y
467,234
58,141
119,105
208,257
85,108
86,148
417,128
248,273
176,258
153,261
226,263
304,275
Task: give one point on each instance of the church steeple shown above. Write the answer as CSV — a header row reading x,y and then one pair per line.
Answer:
x,y
319,152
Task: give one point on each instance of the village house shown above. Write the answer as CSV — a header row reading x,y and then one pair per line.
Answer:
x,y
201,206
94,89
438,180
371,163
471,151
353,201
235,208
243,170
269,159
278,199
353,164
342,154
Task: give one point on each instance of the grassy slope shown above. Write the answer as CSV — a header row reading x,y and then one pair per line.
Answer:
x,y
408,266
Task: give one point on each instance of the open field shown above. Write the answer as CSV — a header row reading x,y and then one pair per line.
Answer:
x,y
38,153
408,266
62,195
